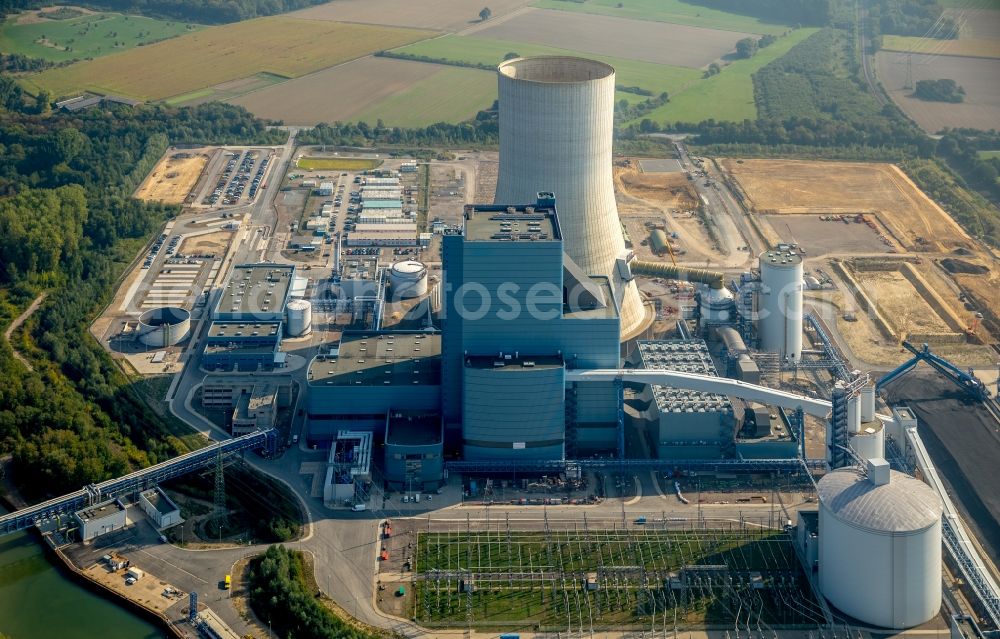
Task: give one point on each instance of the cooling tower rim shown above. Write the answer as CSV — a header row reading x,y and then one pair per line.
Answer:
x,y
164,316
508,69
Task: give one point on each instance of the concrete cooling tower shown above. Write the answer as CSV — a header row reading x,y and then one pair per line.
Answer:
x,y
556,130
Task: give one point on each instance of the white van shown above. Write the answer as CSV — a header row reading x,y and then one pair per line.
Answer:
x,y
359,507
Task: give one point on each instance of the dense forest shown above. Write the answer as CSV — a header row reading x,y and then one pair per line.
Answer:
x,y
68,227
279,596
811,13
203,11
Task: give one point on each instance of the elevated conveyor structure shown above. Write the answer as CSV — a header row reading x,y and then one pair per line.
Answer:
x,y
133,482
956,538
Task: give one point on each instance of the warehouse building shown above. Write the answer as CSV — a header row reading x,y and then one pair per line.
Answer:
x,y
100,519
159,508
414,451
368,376
398,234
684,424
255,292
518,312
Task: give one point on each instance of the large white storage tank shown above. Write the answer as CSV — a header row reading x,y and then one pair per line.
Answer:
x,y
299,318
780,303
408,279
164,326
880,546
869,442
556,135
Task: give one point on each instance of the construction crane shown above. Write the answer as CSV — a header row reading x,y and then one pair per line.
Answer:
x,y
965,380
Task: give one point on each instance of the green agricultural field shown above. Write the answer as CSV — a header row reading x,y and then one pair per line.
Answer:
x,y
674,11
989,155
89,36
337,164
452,95
728,95
277,45
650,76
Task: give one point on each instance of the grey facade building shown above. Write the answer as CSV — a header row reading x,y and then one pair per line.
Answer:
x,y
414,451
367,376
511,295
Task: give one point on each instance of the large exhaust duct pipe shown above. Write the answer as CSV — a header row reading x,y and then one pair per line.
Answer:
x,y
556,134
713,279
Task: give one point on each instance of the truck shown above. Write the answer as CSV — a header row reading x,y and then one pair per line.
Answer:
x,y
358,507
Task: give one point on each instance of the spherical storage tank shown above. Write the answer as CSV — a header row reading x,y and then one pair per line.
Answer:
x,y
164,326
780,307
299,318
408,279
880,546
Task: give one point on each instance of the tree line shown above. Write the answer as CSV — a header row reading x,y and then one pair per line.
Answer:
x,y
203,11
69,226
279,596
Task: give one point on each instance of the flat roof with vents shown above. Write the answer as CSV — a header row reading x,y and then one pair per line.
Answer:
x,y
255,290
498,222
380,359
241,330
688,356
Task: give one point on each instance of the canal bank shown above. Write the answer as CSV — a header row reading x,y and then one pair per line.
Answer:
x,y
39,597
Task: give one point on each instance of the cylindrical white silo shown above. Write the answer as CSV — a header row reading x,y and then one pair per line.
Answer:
x,y
780,307
880,548
854,414
870,442
868,403
556,135
299,318
408,279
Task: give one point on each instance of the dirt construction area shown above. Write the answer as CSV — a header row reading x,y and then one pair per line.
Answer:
x,y
174,177
789,187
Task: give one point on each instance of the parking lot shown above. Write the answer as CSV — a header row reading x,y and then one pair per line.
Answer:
x,y
240,179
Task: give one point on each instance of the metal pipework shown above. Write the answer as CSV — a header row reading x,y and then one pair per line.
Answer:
x,y
714,279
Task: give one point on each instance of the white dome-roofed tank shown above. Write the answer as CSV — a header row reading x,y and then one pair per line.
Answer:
x,y
780,307
880,546
408,279
299,318
164,326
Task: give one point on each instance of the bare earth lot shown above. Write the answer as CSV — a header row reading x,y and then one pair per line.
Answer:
x,y
172,179
337,93
979,77
657,42
425,14
903,307
818,237
777,187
